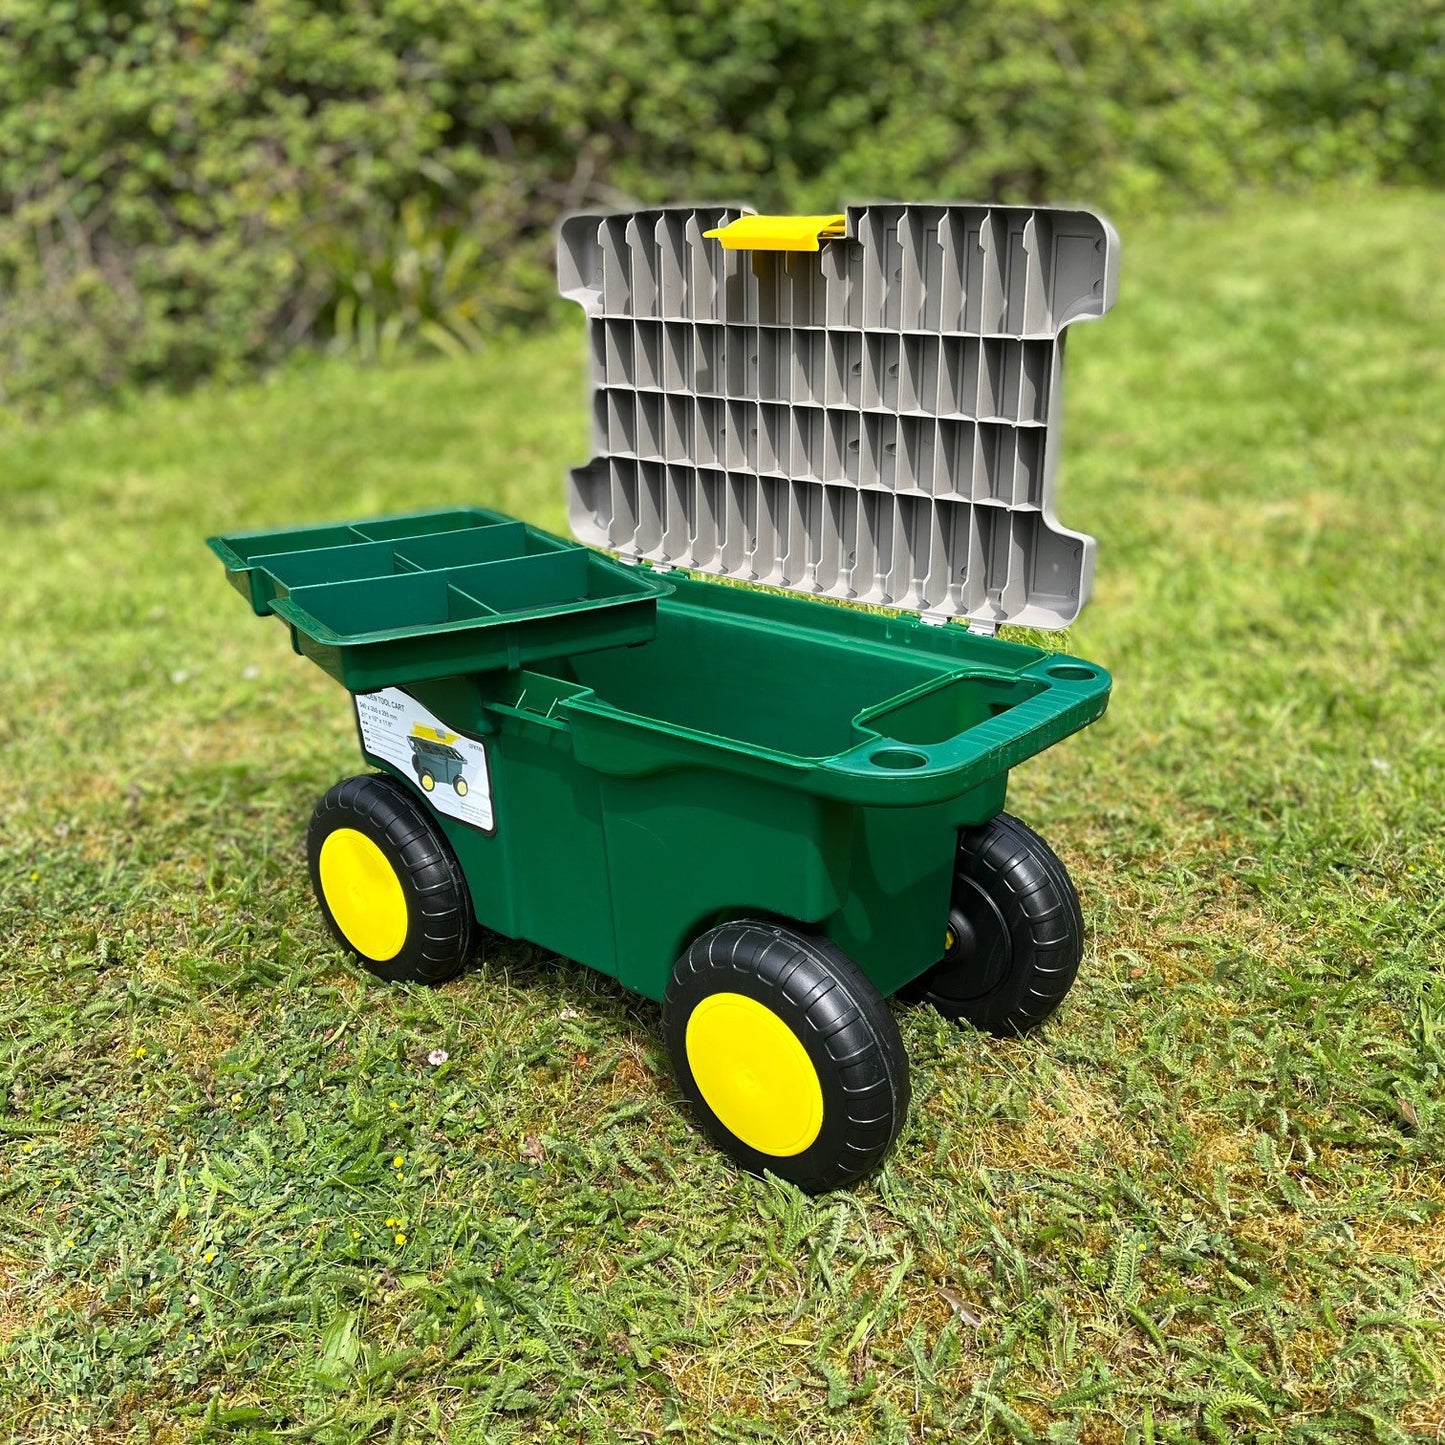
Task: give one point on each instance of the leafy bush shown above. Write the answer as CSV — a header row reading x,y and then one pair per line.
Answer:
x,y
192,186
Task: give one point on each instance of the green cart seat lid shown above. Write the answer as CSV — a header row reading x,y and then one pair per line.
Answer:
x,y
866,406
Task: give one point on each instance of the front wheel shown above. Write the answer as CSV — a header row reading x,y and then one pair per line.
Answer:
x,y
787,1053
1015,932
388,883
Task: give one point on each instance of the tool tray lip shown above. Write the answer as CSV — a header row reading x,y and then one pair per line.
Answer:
x,y
318,631
238,557
419,575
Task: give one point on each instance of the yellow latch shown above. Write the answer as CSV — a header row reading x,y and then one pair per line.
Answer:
x,y
779,233
434,735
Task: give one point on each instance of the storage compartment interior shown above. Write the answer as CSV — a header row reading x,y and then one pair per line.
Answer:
x,y
944,712
812,695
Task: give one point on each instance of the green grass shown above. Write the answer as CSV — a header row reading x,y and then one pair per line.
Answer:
x,y
1205,1202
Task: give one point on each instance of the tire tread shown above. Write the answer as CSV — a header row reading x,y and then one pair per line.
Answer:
x,y
438,899
1031,887
831,1001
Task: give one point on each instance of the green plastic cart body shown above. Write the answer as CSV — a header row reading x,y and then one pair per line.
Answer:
x,y
764,756
861,409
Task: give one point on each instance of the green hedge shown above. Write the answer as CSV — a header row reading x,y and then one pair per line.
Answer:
x,y
192,186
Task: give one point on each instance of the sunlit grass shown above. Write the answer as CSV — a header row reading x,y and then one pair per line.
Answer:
x,y
1205,1202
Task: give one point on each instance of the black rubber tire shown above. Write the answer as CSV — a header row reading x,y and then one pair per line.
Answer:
x,y
838,1016
441,927
1018,928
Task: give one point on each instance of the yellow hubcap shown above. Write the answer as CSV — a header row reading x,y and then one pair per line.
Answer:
x,y
363,893
755,1074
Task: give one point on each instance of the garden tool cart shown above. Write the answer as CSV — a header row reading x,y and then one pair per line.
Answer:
x,y
766,806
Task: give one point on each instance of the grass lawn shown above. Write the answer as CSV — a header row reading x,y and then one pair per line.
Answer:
x,y
1205,1202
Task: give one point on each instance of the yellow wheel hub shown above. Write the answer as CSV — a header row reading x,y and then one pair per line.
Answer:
x,y
364,894
755,1074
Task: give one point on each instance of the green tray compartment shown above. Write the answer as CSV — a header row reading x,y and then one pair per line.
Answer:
x,y
401,599
255,561
425,524
476,544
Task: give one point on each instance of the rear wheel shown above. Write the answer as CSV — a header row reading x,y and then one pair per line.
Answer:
x,y
787,1053
1015,932
427,781
459,783
389,886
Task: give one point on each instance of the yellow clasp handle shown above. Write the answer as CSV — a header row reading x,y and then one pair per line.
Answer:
x,y
779,233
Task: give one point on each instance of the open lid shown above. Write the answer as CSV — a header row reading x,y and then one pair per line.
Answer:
x,y
864,406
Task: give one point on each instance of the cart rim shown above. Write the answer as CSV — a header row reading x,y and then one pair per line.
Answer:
x,y
364,894
754,1074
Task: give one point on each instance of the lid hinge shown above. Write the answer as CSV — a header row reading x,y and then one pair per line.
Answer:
x,y
980,627
933,619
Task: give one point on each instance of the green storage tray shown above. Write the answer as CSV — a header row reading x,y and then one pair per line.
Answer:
x,y
436,594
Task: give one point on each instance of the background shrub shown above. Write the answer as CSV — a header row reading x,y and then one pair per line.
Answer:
x,y
193,186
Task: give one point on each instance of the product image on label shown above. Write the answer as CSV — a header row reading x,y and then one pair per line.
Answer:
x,y
450,769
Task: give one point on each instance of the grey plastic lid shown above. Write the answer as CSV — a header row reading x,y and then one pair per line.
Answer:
x,y
877,419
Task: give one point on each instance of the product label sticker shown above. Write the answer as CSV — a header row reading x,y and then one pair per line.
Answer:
x,y
450,769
